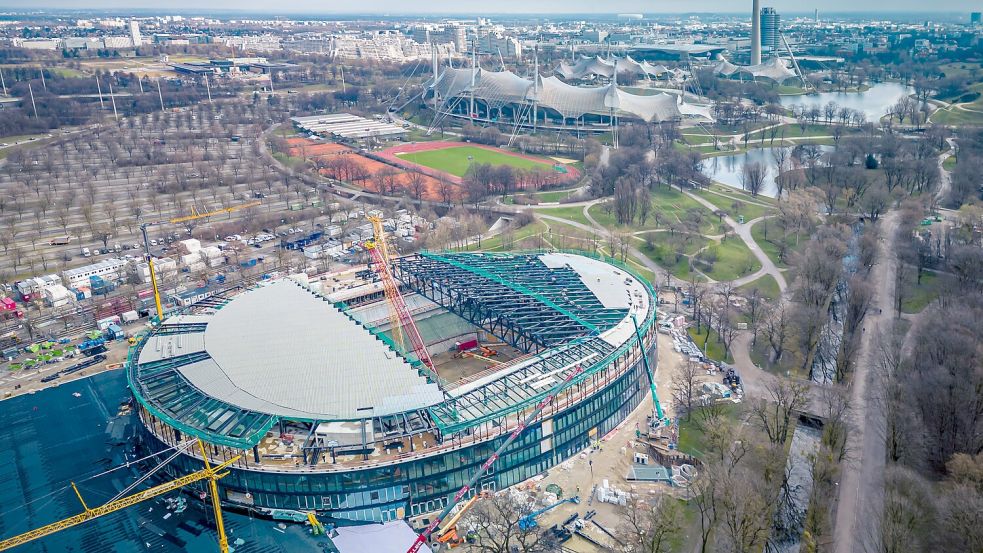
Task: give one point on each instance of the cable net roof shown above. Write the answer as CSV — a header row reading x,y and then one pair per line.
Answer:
x,y
586,67
499,88
773,69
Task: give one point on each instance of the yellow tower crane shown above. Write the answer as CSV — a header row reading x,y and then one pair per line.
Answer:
x,y
210,473
194,215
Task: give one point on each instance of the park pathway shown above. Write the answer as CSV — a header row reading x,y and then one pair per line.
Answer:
x,y
768,267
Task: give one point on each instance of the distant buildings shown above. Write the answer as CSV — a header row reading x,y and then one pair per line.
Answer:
x,y
135,37
770,29
975,19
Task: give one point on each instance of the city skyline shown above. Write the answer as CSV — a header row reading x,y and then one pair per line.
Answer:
x,y
394,7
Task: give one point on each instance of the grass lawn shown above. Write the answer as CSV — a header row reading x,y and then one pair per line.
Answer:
x,y
714,349
961,69
663,253
671,206
748,209
917,297
767,287
455,160
734,260
955,116
787,90
697,138
692,440
552,195
950,163
572,213
495,243
770,245
795,131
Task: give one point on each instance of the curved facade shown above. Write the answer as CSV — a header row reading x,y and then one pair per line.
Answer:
x,y
566,311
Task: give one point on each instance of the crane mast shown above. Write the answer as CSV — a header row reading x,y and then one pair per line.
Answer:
x,y
146,243
403,326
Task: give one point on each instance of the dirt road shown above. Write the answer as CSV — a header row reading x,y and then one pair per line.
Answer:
x,y
862,482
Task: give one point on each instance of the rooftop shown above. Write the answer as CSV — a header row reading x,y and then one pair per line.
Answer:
x,y
281,349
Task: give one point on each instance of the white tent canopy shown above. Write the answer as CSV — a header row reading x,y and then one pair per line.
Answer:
x,y
596,66
773,69
499,88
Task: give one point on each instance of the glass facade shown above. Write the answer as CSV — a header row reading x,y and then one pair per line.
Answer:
x,y
422,485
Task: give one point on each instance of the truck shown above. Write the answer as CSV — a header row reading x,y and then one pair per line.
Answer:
x,y
8,309
60,240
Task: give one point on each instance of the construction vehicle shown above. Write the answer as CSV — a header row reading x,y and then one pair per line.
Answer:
x,y
150,258
400,320
449,535
487,352
660,419
474,355
316,527
528,522
210,473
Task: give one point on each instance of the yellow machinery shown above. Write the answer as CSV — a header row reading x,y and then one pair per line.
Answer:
x,y
448,535
316,527
479,356
194,215
210,473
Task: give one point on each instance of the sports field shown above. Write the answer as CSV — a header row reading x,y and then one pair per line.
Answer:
x,y
455,160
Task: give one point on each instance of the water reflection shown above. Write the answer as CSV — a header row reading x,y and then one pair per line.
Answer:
x,y
873,102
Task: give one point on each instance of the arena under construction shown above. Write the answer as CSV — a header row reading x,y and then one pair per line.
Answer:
x,y
329,414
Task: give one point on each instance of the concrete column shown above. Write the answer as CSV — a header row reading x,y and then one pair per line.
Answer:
x,y
756,32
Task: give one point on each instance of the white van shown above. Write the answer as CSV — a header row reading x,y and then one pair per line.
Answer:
x,y
86,252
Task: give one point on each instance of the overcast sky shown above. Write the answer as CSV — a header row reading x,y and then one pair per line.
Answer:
x,y
507,6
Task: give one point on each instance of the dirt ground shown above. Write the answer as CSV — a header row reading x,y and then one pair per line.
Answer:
x,y
590,468
453,369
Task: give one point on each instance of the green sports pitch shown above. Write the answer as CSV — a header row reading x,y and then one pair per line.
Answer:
x,y
455,160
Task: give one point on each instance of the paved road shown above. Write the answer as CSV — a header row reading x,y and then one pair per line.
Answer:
x,y
861,484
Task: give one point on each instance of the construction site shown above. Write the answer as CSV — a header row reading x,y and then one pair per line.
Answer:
x,y
441,379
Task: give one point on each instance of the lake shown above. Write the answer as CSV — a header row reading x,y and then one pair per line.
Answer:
x,y
873,101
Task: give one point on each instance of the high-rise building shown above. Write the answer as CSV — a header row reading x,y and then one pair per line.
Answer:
x,y
975,19
770,24
756,32
135,33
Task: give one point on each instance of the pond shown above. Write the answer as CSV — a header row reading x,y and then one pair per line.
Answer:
x,y
873,101
727,170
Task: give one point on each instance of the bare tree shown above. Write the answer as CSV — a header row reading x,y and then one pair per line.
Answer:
x,y
496,521
775,415
650,527
685,386
753,177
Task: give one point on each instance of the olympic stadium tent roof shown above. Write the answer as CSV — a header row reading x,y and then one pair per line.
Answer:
x,y
498,88
586,67
773,69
